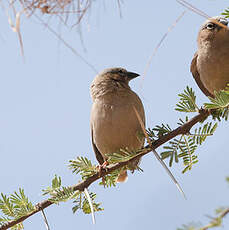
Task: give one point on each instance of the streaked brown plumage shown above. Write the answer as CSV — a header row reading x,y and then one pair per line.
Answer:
x,y
114,124
210,65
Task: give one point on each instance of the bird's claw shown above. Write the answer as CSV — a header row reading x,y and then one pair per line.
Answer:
x,y
102,167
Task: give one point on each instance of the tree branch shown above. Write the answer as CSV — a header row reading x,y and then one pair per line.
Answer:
x,y
216,221
183,129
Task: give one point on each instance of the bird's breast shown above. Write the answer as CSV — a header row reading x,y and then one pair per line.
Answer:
x,y
213,67
115,124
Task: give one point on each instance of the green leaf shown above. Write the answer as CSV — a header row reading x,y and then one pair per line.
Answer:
x,y
21,203
203,132
86,207
226,13
187,101
81,203
162,130
123,155
172,150
14,207
56,184
83,166
220,101
63,194
110,179
6,206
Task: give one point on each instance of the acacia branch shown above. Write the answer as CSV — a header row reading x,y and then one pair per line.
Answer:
x,y
183,129
216,221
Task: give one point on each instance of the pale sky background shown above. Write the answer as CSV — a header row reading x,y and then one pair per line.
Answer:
x,y
45,109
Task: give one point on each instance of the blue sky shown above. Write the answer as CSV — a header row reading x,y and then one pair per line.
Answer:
x,y
45,110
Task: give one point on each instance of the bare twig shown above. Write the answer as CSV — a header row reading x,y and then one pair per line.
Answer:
x,y
160,42
157,155
183,129
199,12
192,8
66,44
45,219
90,204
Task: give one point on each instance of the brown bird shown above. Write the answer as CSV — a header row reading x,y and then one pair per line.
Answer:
x,y
210,65
114,123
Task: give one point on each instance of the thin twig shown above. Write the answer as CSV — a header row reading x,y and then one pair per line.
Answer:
x,y
157,155
192,8
160,42
90,204
199,12
45,219
66,44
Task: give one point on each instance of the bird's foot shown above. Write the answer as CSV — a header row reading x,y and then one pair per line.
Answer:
x,y
102,167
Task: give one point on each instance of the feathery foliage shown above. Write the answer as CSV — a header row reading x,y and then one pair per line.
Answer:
x,y
82,203
110,179
124,155
190,226
15,206
60,193
185,146
220,104
226,13
215,221
187,101
161,130
83,166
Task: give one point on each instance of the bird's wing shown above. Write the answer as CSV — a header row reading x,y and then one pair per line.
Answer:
x,y
196,76
98,155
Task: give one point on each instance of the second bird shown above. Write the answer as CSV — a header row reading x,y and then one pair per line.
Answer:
x,y
210,65
114,123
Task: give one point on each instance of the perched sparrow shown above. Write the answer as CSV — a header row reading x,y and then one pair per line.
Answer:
x,y
210,65
114,123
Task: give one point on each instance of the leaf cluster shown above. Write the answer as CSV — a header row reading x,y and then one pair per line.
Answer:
x,y
60,193
15,206
187,101
219,105
226,13
110,179
184,146
81,202
215,221
83,166
123,155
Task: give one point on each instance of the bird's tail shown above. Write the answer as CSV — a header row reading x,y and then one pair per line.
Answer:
x,y
122,177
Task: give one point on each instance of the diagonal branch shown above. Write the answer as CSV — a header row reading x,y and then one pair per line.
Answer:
x,y
183,129
216,221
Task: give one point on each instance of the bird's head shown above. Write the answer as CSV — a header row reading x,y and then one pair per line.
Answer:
x,y
214,28
118,74
111,80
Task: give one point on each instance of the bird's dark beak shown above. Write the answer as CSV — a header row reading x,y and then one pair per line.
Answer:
x,y
132,75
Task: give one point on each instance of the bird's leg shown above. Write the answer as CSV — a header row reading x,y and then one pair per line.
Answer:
x,y
102,167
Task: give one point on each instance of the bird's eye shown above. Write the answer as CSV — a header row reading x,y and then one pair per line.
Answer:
x,y
210,26
120,71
